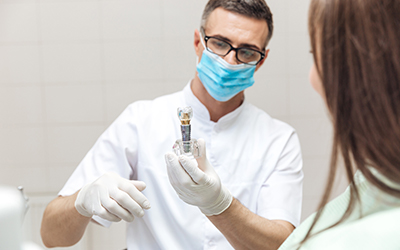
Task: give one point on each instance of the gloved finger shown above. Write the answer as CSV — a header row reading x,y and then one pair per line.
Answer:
x,y
176,174
128,203
140,185
133,207
116,209
191,167
135,195
100,211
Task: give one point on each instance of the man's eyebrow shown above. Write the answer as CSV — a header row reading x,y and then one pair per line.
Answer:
x,y
246,45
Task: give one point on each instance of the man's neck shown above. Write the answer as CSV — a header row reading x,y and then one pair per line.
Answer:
x,y
216,108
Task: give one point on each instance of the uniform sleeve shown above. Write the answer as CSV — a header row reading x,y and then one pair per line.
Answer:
x,y
282,192
114,151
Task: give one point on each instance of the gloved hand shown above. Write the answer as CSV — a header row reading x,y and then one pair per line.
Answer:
x,y
112,198
196,183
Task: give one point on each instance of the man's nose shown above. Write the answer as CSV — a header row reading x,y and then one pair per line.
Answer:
x,y
231,58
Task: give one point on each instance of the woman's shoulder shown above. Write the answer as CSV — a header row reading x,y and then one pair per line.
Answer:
x,y
379,230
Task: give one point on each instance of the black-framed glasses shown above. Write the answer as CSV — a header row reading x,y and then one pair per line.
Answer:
x,y
222,48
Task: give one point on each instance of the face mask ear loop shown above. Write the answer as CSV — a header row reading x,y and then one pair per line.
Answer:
x,y
204,46
202,41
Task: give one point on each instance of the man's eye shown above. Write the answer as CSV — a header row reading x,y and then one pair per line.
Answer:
x,y
245,53
219,44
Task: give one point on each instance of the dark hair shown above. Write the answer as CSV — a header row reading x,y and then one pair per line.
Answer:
x,y
257,9
356,45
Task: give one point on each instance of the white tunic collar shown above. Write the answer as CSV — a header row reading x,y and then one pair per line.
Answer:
x,y
201,112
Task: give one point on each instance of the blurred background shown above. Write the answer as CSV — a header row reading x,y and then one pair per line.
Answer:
x,y
68,68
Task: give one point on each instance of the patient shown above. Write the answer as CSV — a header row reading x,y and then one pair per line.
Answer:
x,y
356,48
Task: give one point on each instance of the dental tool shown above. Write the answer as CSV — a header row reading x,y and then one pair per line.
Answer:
x,y
186,146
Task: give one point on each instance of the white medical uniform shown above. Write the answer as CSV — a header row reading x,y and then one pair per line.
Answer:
x,y
256,157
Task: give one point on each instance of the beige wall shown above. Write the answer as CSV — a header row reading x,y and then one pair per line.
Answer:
x,y
69,67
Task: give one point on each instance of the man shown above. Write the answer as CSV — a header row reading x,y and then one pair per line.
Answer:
x,y
257,159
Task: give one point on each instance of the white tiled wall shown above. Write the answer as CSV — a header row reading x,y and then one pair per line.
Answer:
x,y
69,67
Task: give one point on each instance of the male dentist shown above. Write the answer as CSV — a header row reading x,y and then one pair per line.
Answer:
x,y
245,192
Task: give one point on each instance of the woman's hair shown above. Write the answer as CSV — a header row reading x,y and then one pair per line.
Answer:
x,y
257,9
356,47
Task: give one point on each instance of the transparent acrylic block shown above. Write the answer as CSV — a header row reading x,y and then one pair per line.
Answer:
x,y
188,148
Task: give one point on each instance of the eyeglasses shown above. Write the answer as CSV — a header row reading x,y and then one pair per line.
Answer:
x,y
222,48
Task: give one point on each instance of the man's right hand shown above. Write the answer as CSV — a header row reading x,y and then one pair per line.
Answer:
x,y
113,198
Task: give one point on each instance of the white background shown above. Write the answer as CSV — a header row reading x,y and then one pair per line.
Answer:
x,y
69,67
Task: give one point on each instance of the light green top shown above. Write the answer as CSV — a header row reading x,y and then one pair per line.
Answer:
x,y
374,223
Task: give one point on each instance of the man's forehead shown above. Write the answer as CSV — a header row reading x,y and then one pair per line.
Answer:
x,y
237,27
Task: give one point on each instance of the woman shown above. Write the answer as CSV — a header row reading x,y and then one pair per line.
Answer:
x,y
356,47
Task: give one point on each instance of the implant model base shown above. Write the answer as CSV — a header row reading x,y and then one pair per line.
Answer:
x,y
188,148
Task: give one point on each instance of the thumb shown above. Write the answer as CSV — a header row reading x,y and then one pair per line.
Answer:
x,y
140,185
191,168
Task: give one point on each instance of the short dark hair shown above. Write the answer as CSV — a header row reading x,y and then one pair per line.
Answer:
x,y
257,9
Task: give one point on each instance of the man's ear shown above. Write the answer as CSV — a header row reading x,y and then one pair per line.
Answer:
x,y
263,60
198,47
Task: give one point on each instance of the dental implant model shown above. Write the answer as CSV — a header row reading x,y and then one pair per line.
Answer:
x,y
186,145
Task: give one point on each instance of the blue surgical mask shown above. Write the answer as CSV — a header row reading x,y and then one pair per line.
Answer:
x,y
221,79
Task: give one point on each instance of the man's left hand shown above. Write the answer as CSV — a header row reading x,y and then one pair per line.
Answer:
x,y
197,183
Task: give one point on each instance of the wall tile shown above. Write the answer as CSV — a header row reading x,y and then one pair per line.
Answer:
x,y
273,89
276,62
135,60
181,18
299,58
304,101
315,134
67,145
66,21
18,1
73,62
21,105
181,53
70,104
20,65
18,22
31,176
280,23
119,96
58,174
66,1
298,13
22,145
123,19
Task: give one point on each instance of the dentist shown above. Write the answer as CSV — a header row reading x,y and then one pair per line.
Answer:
x,y
248,192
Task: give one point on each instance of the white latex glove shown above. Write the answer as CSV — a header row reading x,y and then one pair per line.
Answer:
x,y
112,198
196,183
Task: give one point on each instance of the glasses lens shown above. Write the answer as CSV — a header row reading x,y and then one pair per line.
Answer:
x,y
248,56
217,46
222,48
